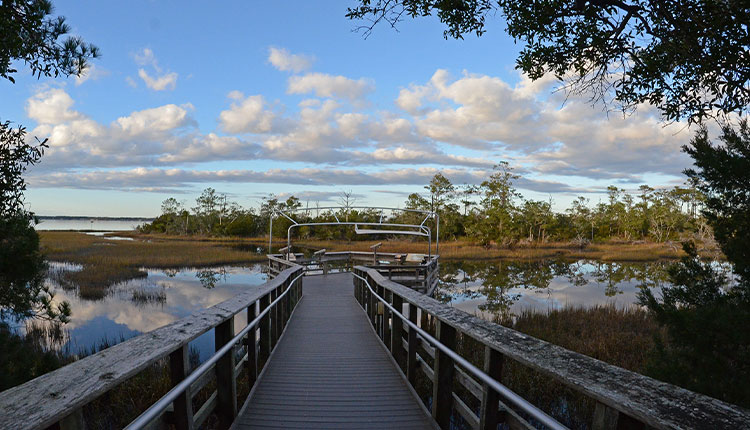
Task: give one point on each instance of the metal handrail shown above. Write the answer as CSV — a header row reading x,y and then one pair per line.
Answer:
x,y
509,395
158,408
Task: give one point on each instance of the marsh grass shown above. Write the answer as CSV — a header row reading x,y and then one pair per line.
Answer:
x,y
107,262
465,250
623,337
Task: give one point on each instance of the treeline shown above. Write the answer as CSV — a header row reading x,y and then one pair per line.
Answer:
x,y
493,212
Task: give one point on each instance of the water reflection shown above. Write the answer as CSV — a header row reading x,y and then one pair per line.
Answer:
x,y
141,305
500,288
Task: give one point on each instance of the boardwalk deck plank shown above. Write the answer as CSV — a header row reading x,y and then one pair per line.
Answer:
x,y
329,370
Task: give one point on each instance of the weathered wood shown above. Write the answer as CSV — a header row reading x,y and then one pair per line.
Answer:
x,y
264,327
493,367
605,418
74,421
205,410
226,385
252,353
387,321
465,411
100,372
442,385
472,386
654,403
179,368
397,331
411,354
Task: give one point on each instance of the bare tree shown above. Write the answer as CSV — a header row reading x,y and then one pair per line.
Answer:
x,y
347,201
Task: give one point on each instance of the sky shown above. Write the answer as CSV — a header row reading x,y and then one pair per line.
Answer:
x,y
288,98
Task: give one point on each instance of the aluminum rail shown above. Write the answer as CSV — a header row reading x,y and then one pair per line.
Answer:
x,y
425,231
509,395
155,410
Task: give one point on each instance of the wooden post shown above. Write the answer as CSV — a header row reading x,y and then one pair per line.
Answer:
x,y
397,343
606,418
493,367
274,318
442,386
265,328
425,321
74,421
179,368
373,310
387,320
252,354
411,360
226,385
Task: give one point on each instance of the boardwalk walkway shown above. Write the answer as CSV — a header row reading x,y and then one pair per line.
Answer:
x,y
329,370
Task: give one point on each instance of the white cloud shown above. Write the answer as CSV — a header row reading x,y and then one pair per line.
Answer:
x,y
146,57
283,60
160,81
325,85
246,115
167,81
51,106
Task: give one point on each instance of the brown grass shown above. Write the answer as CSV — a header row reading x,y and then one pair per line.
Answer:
x,y
622,337
107,262
465,250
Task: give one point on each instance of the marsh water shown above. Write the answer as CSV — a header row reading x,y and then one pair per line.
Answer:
x,y
140,305
497,288
485,288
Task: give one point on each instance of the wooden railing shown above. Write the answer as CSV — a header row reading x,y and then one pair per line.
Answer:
x,y
420,277
624,399
57,399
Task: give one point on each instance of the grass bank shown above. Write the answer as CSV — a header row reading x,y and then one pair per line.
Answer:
x,y
106,262
466,250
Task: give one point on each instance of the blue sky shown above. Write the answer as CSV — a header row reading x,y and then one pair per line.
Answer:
x,y
253,98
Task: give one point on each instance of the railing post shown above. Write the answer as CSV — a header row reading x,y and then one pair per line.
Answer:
x,y
387,295
74,421
607,418
397,343
411,360
179,368
373,309
274,318
252,354
226,385
442,386
265,329
493,367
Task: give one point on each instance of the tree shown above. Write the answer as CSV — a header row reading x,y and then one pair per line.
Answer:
x,y
689,59
16,154
441,191
23,293
722,173
708,345
30,35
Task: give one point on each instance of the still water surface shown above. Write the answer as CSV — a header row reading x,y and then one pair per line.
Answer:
x,y
491,289
141,305
487,288
96,224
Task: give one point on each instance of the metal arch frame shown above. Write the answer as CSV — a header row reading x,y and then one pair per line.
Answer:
x,y
424,230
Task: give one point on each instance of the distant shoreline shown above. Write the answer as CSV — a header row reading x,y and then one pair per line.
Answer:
x,y
86,218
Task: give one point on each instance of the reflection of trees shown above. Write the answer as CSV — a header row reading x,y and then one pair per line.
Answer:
x,y
210,277
499,281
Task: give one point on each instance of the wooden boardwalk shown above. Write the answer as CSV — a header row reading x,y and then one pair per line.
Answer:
x,y
329,370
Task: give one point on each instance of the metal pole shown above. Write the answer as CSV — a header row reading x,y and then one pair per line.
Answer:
x,y
289,241
270,232
437,236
